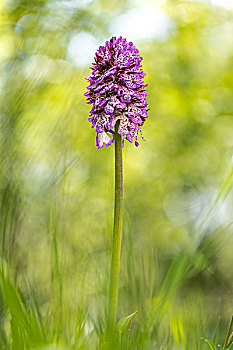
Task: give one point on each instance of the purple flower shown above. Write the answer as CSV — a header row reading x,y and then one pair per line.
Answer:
x,y
117,92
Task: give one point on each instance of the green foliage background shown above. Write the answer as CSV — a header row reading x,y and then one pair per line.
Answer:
x,y
56,188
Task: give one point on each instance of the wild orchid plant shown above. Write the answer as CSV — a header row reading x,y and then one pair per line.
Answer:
x,y
117,93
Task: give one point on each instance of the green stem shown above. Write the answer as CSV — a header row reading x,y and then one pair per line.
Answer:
x,y
117,233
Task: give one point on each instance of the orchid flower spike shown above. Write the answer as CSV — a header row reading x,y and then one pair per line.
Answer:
x,y
117,92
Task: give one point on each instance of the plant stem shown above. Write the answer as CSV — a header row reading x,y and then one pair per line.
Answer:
x,y
117,233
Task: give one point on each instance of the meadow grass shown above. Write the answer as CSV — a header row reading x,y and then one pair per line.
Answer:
x,y
165,317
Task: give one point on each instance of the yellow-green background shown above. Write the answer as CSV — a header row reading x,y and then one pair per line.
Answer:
x,y
57,189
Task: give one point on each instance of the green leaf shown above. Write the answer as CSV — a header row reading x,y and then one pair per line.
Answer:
x,y
210,343
228,333
123,328
125,322
25,327
216,332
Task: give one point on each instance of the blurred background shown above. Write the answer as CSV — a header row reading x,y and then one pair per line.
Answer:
x,y
57,189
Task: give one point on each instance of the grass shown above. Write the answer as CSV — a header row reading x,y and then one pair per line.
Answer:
x,y
158,301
